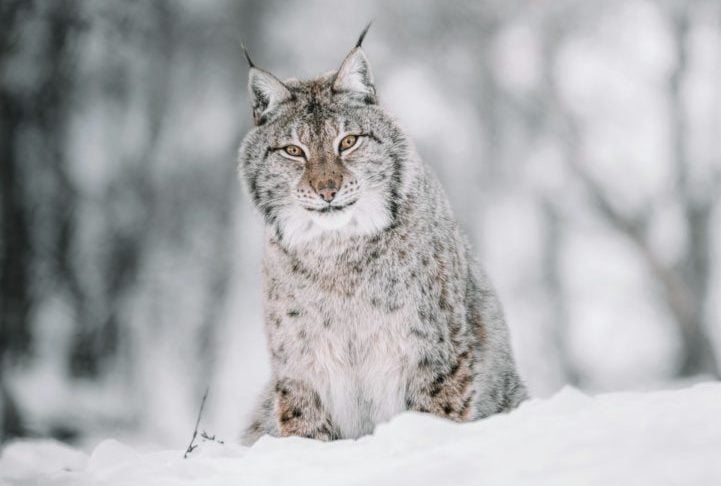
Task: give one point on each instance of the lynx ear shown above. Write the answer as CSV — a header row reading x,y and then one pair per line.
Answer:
x,y
354,75
266,93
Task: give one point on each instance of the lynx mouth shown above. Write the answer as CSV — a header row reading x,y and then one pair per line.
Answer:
x,y
332,209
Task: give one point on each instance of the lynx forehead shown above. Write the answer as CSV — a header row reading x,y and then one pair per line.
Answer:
x,y
372,303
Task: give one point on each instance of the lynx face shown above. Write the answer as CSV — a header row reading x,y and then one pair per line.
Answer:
x,y
323,158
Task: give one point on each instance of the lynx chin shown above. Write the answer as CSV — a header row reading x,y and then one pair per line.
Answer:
x,y
372,302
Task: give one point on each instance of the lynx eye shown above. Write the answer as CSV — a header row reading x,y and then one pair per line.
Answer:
x,y
347,142
293,150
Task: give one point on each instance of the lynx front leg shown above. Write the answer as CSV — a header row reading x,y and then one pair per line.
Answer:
x,y
443,389
299,411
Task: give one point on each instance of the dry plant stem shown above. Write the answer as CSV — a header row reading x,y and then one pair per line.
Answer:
x,y
192,444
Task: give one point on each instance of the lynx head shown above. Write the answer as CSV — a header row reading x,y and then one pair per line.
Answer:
x,y
323,158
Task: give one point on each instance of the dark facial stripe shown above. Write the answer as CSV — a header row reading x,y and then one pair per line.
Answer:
x,y
395,182
253,186
374,137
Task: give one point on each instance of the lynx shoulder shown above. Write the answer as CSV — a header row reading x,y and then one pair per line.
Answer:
x,y
373,304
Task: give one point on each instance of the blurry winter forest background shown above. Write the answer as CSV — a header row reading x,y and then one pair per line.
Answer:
x,y
578,142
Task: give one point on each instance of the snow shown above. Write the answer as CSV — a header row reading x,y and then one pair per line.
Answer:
x,y
651,438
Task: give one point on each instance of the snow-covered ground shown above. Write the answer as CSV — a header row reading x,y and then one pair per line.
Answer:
x,y
653,438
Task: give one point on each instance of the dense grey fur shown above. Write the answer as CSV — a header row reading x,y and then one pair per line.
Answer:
x,y
372,302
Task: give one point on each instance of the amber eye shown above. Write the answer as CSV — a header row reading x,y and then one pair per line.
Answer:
x,y
347,142
293,150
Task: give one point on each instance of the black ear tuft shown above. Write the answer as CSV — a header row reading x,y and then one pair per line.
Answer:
x,y
247,56
354,75
363,34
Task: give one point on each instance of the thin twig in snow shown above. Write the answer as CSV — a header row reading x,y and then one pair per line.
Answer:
x,y
206,436
192,444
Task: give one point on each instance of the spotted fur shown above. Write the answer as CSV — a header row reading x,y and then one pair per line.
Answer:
x,y
372,302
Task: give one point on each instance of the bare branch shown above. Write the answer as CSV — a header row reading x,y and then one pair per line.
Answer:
x,y
192,445
205,436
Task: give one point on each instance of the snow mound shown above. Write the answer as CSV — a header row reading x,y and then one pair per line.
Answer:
x,y
656,438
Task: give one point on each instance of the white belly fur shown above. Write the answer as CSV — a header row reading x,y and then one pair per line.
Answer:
x,y
361,369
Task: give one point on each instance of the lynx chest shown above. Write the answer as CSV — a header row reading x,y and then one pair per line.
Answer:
x,y
353,345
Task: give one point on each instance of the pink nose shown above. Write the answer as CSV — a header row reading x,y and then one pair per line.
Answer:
x,y
327,194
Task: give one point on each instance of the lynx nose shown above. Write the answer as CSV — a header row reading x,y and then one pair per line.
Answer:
x,y
327,194
328,189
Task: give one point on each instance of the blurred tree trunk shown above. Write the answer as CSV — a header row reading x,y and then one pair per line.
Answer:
x,y
55,102
483,23
539,118
37,229
15,244
689,298
559,327
486,176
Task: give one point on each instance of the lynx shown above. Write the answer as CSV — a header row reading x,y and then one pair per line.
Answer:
x,y
372,303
